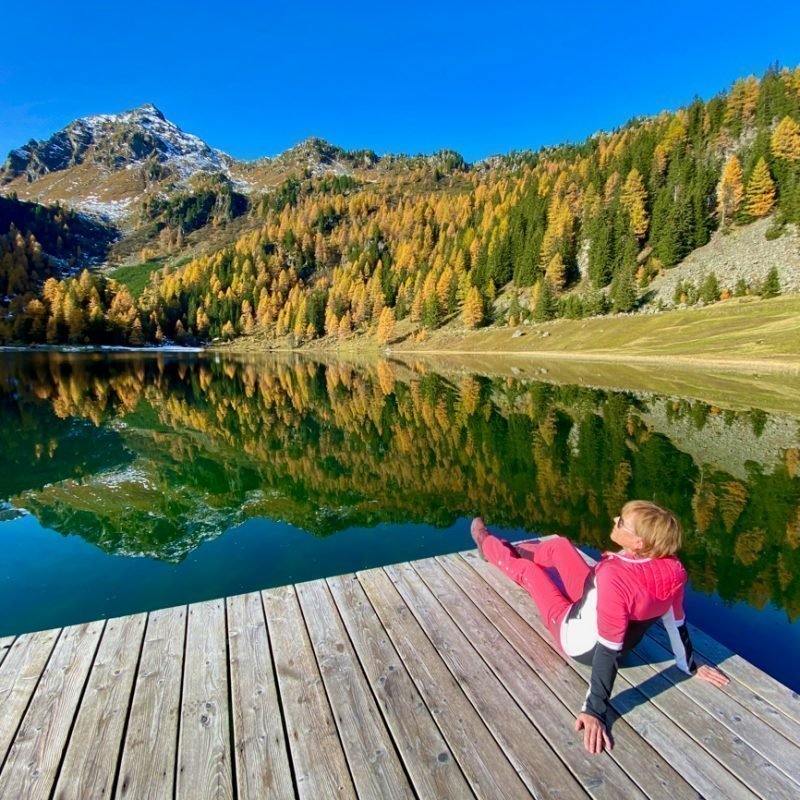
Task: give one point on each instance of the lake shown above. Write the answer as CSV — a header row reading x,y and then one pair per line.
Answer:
x,y
136,481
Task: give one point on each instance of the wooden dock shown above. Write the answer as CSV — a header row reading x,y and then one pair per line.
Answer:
x,y
430,679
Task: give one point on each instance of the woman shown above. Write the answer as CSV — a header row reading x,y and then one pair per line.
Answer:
x,y
603,612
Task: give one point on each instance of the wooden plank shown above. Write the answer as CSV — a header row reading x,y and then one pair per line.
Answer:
x,y
646,767
148,755
204,743
697,766
262,758
425,753
320,767
374,763
537,764
92,753
765,740
782,720
19,675
32,764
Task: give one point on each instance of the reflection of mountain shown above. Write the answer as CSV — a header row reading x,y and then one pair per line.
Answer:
x,y
729,442
205,445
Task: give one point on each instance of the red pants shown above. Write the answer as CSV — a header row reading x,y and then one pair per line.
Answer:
x,y
531,573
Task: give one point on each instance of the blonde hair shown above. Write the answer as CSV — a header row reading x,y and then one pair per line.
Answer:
x,y
658,527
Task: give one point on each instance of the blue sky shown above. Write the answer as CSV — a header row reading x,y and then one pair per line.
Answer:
x,y
253,78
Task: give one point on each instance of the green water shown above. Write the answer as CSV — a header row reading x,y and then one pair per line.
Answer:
x,y
132,482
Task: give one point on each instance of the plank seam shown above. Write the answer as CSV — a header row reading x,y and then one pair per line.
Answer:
x,y
180,703
491,669
75,713
324,685
369,686
30,700
130,707
231,737
280,699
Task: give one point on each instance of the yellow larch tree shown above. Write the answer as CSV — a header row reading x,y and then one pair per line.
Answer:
x,y
785,142
730,191
556,272
760,196
634,199
473,308
386,324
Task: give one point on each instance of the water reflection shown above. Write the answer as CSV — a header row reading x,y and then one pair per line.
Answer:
x,y
153,455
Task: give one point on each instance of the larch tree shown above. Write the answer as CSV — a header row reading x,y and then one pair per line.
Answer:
x,y
386,324
556,272
473,308
760,196
730,191
634,199
785,142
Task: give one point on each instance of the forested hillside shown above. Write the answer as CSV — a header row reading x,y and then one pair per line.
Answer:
x,y
578,230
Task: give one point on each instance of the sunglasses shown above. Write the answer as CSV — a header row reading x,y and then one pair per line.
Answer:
x,y
620,523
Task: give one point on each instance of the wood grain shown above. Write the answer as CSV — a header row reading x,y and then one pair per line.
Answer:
x,y
320,767
148,755
92,754
32,763
204,743
261,754
374,763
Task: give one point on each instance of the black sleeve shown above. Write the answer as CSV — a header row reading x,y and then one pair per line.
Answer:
x,y
604,670
688,650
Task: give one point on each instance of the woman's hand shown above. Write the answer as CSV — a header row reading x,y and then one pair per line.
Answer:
x,y
595,735
713,676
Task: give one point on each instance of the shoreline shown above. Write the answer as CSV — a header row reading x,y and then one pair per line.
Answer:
x,y
676,360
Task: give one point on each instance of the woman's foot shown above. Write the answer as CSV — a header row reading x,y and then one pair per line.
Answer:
x,y
479,533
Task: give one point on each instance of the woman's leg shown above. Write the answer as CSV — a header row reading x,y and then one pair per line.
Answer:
x,y
560,554
550,600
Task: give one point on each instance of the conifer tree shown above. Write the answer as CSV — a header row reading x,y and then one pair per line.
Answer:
x,y
545,307
623,290
772,284
634,199
760,191
555,273
785,141
473,308
431,314
709,290
730,191
386,324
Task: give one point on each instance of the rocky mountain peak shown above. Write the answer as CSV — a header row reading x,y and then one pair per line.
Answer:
x,y
142,136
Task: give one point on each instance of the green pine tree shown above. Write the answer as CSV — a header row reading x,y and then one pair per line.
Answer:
x,y
623,290
772,284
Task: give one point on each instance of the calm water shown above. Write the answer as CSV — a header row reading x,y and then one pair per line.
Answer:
x,y
133,482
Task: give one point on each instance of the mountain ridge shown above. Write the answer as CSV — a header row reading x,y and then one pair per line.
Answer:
x,y
332,244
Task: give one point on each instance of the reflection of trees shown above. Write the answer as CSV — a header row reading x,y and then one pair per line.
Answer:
x,y
327,447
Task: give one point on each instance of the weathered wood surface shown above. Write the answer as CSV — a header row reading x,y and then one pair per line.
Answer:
x,y
204,747
90,762
261,756
428,679
148,756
